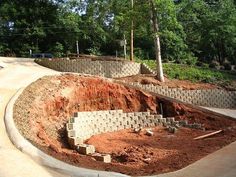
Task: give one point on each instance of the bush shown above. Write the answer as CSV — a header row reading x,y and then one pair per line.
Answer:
x,y
138,52
94,51
191,61
201,64
58,49
194,74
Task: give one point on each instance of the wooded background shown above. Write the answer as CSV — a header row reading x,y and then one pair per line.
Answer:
x,y
191,31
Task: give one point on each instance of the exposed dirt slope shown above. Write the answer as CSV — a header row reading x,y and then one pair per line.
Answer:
x,y
44,108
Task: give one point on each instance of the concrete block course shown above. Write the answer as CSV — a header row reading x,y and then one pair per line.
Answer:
x,y
87,124
208,98
104,68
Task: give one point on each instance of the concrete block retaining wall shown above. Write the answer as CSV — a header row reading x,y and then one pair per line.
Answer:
x,y
146,69
86,124
210,98
110,69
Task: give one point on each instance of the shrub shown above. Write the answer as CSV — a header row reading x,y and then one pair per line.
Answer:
x,y
58,49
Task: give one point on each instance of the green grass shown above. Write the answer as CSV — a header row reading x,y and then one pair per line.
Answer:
x,y
193,73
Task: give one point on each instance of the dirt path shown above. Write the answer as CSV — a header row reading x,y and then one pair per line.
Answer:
x,y
17,73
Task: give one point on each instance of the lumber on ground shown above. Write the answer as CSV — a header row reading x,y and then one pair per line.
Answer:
x,y
207,135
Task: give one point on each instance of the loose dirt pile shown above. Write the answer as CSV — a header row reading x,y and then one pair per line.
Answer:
x,y
184,84
44,108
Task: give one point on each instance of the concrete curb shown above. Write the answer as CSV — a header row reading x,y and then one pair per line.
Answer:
x,y
39,156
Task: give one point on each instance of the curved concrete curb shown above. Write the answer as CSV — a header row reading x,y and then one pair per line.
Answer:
x,y
39,156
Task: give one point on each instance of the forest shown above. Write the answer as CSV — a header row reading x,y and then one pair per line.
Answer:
x,y
191,32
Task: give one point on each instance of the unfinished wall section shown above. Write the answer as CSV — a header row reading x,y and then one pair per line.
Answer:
x,y
86,124
104,68
210,98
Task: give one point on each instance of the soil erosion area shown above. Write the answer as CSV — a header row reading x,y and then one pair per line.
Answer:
x,y
45,106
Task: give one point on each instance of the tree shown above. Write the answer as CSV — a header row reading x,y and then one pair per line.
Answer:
x,y
153,13
132,34
210,28
26,24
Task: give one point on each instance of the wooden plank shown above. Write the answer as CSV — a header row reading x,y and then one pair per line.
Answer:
x,y
208,135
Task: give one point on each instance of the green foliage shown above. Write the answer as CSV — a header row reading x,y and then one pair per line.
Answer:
x,y
190,31
94,51
193,73
22,25
57,49
210,28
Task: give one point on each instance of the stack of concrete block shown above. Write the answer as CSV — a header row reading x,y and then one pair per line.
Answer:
x,y
145,69
86,124
110,69
209,98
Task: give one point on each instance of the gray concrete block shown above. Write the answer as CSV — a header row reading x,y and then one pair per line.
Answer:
x,y
150,117
163,120
85,149
73,141
183,123
70,126
145,113
72,133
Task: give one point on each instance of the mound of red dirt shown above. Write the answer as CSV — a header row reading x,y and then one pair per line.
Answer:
x,y
44,108
174,83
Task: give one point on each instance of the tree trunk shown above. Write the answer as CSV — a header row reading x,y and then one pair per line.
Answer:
x,y
153,13
132,35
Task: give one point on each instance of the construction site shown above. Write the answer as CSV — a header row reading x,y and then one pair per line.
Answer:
x,y
122,125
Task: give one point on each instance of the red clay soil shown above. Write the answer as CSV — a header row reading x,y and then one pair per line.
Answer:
x,y
140,154
44,108
174,83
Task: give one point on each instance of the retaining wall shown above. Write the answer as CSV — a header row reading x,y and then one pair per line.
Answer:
x,y
209,98
85,124
110,69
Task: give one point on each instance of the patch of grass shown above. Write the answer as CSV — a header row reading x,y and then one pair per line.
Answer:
x,y
193,73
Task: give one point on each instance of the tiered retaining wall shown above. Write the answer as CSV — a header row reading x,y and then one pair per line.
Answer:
x,y
110,69
209,98
85,124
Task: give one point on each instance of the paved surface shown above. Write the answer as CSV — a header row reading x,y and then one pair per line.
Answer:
x,y
16,74
19,72
221,163
227,112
